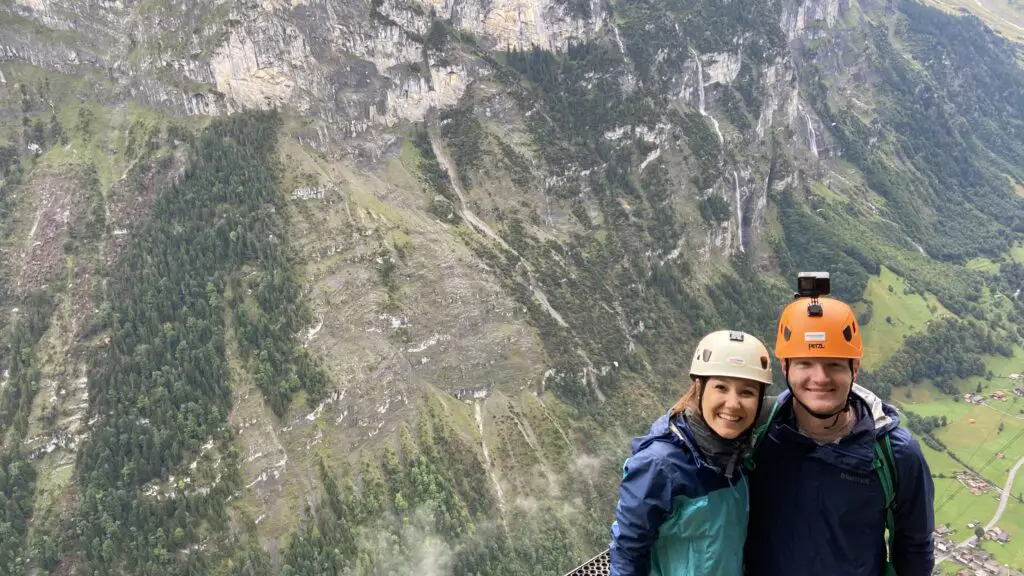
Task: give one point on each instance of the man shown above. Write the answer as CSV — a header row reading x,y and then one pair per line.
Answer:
x,y
817,502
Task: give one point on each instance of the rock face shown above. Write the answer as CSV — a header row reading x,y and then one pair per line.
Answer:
x,y
258,72
821,14
521,23
288,53
311,56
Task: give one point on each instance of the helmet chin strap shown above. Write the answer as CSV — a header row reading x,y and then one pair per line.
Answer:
x,y
821,415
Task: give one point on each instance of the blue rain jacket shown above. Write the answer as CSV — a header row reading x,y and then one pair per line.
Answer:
x,y
817,510
677,515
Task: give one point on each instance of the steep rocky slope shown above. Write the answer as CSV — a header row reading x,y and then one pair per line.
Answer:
x,y
426,268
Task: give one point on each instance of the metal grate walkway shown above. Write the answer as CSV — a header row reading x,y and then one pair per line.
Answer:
x,y
599,565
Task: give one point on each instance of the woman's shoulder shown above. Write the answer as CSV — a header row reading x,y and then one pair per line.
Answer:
x,y
670,456
679,468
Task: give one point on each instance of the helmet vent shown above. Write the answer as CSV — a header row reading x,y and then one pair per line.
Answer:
x,y
707,355
847,333
786,333
764,362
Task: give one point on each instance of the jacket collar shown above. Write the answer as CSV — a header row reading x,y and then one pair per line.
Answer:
x,y
672,429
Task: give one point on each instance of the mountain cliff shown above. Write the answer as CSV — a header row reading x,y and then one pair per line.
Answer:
x,y
308,287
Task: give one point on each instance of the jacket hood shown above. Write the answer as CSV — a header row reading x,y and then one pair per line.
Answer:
x,y
884,416
687,439
660,430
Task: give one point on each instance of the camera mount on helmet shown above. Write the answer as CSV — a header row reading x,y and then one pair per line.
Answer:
x,y
813,285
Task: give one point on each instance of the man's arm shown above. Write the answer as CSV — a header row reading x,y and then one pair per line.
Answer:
x,y
912,548
645,500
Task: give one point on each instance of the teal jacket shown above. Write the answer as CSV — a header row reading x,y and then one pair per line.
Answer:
x,y
677,515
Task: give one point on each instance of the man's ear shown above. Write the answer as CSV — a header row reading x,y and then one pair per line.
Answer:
x,y
856,369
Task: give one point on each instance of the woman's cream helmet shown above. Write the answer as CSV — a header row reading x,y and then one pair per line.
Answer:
x,y
732,353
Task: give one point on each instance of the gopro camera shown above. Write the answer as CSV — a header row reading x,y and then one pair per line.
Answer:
x,y
813,284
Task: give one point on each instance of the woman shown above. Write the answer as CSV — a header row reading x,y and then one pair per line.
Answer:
x,y
682,507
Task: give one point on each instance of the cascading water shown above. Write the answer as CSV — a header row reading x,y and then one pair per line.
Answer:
x,y
739,210
700,96
812,138
622,50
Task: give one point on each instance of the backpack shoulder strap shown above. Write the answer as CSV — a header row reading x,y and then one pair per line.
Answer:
x,y
760,429
762,426
885,465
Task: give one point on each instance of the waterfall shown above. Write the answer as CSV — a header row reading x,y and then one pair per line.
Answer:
x,y
739,210
622,50
700,96
812,138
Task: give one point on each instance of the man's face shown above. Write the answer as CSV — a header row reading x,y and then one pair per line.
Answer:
x,y
821,384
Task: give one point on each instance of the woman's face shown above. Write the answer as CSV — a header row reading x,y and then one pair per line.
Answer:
x,y
730,405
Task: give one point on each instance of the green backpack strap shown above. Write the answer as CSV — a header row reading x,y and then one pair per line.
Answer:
x,y
759,432
885,465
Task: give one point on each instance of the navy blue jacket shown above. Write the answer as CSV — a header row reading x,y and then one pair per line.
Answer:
x,y
820,510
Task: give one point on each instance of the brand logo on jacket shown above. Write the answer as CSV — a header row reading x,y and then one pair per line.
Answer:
x,y
852,478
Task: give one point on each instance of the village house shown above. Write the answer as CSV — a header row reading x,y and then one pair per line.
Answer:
x,y
1019,391
988,569
975,484
998,535
973,398
942,530
981,563
999,394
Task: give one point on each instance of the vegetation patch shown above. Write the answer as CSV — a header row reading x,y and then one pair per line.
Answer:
x,y
159,388
894,310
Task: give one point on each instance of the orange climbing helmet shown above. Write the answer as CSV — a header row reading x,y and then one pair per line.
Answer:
x,y
818,327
